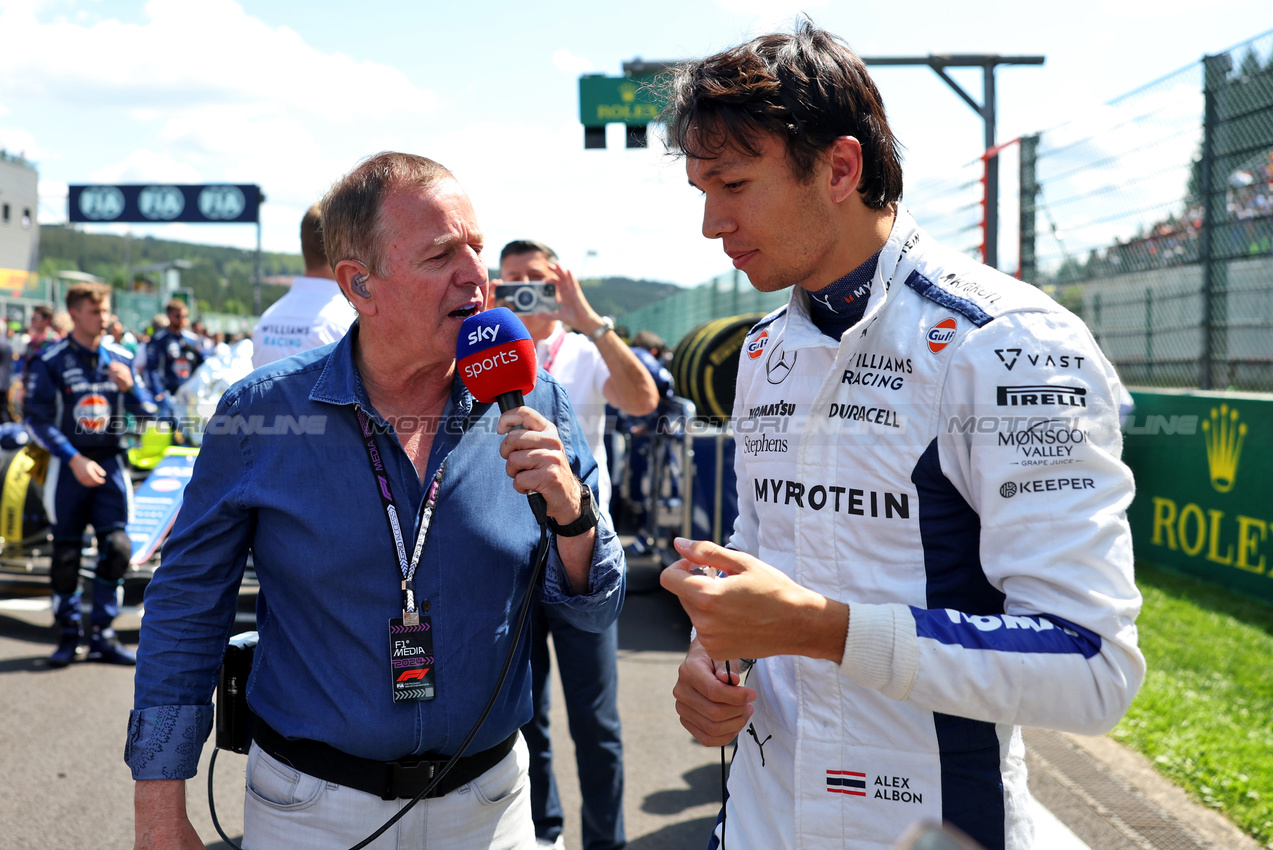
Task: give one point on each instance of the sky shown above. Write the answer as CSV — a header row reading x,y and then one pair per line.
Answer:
x,y
290,95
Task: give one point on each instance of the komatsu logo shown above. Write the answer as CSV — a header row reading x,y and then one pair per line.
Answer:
x,y
778,408
849,500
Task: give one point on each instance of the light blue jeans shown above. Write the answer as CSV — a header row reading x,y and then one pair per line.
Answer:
x,y
284,808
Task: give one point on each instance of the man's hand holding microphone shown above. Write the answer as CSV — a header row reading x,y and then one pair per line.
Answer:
x,y
496,359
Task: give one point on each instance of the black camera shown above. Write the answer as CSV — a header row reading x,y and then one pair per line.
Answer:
x,y
528,297
234,718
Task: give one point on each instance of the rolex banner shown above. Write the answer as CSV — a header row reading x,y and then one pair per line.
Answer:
x,y
1204,485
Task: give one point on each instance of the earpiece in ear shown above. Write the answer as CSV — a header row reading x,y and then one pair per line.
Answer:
x,y
359,285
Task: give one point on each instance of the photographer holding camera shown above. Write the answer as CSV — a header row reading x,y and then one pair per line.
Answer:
x,y
595,366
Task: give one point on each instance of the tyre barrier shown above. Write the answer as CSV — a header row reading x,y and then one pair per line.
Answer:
x,y
705,364
23,520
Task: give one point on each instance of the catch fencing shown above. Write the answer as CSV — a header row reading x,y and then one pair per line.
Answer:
x,y
1155,223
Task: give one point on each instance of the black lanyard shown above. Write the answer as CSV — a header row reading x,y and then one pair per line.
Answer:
x,y
410,613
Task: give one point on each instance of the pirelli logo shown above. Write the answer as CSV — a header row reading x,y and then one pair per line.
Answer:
x,y
1042,395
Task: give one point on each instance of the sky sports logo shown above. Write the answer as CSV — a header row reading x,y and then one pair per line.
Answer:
x,y
1041,395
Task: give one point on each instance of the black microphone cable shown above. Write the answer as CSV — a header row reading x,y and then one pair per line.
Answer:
x,y
540,509
724,776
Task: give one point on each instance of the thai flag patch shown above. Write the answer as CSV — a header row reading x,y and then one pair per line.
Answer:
x,y
846,782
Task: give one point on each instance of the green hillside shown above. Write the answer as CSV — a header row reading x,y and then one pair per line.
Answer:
x,y
221,278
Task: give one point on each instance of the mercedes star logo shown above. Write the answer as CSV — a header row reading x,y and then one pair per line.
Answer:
x,y
779,364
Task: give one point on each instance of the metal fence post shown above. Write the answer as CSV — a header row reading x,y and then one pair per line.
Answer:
x,y
1149,332
1029,191
1215,73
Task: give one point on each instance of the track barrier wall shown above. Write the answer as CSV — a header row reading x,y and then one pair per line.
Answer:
x,y
1204,506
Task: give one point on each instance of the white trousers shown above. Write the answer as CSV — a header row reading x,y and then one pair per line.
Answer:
x,y
284,808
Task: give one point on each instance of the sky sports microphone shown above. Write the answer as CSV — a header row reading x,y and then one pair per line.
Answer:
x,y
496,357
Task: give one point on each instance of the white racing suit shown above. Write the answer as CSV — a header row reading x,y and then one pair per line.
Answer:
x,y
951,471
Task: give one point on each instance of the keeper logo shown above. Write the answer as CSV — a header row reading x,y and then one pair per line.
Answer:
x,y
1045,485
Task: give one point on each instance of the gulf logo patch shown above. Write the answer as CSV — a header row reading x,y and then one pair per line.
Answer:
x,y
940,334
756,347
92,413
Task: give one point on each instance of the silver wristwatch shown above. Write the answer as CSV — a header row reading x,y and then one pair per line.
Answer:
x,y
607,325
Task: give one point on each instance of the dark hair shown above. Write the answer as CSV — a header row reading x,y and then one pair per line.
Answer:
x,y
42,310
350,211
527,246
312,250
806,87
648,339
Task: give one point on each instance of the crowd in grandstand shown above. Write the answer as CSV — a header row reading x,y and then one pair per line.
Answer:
x,y
1247,230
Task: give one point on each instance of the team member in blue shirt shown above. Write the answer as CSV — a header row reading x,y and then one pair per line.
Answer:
x,y
300,466
172,355
77,392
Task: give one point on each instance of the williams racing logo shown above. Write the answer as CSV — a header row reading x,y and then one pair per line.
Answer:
x,y
860,784
92,414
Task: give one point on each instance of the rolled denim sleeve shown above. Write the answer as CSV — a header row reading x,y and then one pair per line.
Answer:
x,y
164,742
190,607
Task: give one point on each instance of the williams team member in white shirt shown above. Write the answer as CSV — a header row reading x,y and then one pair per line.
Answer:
x,y
313,313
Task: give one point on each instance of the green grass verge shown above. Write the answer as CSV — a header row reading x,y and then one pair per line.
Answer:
x,y
1205,713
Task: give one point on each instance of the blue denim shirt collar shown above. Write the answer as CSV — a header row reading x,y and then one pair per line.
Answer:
x,y
341,383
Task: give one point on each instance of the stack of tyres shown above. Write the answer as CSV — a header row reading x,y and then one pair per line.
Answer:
x,y
24,524
705,365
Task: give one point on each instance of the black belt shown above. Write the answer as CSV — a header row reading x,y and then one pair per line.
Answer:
x,y
402,779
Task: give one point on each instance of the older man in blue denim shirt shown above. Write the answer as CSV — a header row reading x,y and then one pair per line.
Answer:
x,y
284,473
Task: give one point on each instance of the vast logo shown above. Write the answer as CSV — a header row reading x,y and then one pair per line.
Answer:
x,y
940,334
1224,436
756,347
1009,357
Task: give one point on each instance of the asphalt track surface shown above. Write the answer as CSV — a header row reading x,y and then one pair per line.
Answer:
x,y
63,782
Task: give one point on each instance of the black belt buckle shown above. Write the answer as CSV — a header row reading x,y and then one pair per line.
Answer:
x,y
407,779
